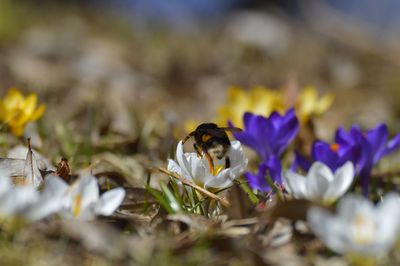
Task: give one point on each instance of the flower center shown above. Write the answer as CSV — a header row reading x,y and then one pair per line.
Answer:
x,y
76,206
217,169
364,229
334,147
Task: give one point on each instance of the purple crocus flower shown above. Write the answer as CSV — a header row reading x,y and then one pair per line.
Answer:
x,y
258,181
364,149
268,136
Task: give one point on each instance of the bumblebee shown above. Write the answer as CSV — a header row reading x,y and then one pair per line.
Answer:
x,y
212,141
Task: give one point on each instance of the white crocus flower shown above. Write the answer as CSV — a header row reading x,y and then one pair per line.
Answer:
x,y
82,199
320,184
359,227
26,202
190,166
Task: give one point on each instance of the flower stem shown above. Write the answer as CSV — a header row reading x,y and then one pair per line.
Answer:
x,y
203,191
253,198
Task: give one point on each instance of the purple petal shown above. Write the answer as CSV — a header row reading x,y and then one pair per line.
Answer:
x,y
342,137
377,138
268,136
275,169
286,134
249,136
258,181
392,145
300,161
321,151
276,119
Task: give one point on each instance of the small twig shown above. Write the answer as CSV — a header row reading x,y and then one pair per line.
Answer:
x,y
386,175
203,191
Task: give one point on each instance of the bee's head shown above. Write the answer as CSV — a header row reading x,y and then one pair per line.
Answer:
x,y
217,150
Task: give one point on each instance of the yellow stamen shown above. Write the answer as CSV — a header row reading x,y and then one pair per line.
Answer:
x,y
364,230
217,170
76,207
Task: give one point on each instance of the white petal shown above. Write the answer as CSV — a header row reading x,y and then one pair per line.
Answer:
x,y
46,205
220,181
50,201
110,201
328,228
237,171
318,179
181,158
81,197
295,184
352,204
16,199
89,191
55,185
388,212
197,167
5,183
174,167
341,183
236,155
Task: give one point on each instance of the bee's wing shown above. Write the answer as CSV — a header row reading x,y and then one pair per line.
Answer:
x,y
191,134
220,132
232,129
214,133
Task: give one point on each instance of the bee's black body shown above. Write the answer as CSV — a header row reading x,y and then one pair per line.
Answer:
x,y
212,141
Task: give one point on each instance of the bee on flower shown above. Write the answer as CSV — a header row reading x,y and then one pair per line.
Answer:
x,y
16,111
191,166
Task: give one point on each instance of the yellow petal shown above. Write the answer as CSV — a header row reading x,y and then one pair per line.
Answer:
x,y
309,105
17,130
190,125
29,104
13,99
38,112
324,103
308,99
235,94
233,109
2,111
265,101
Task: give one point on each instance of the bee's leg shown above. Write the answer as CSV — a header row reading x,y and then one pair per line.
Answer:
x,y
227,162
191,134
210,162
197,149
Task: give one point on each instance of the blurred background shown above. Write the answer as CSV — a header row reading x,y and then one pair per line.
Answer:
x,y
143,67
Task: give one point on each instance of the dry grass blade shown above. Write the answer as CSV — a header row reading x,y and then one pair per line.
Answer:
x,y
203,191
31,170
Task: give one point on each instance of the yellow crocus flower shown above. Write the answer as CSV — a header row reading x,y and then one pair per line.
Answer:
x,y
309,105
16,111
263,101
258,100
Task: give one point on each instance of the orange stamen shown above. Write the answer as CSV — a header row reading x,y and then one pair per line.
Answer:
x,y
335,147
